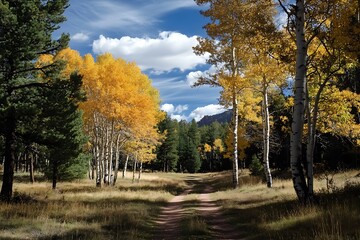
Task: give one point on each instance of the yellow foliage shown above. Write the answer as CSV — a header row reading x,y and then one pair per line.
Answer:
x,y
119,95
218,145
207,148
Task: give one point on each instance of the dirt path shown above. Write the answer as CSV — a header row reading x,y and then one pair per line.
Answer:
x,y
170,220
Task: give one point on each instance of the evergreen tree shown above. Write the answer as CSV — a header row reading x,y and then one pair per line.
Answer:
x,y
189,141
167,152
63,126
25,33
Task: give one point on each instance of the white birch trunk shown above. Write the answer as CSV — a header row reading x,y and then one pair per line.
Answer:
x,y
298,177
106,155
98,166
125,166
235,140
266,137
110,161
235,119
96,151
117,156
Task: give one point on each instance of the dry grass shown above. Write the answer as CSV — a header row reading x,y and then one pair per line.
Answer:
x,y
79,210
263,213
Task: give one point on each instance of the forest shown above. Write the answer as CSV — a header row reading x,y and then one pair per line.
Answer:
x,y
75,124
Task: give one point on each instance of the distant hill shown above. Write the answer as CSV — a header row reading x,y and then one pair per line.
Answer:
x,y
221,118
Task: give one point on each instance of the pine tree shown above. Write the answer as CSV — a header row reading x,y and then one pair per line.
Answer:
x,y
26,31
189,141
167,152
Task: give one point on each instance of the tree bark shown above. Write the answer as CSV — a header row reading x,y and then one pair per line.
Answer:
x,y
31,163
125,166
110,162
98,166
296,156
140,171
266,137
8,177
235,118
54,174
134,169
106,156
235,140
117,156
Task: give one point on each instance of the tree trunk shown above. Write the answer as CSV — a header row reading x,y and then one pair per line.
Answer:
x,y
134,169
298,177
106,157
266,137
54,175
98,166
8,177
110,177
235,132
235,119
140,171
125,166
90,169
117,156
31,164
311,138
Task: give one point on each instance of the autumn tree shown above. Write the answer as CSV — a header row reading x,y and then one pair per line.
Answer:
x,y
121,106
25,33
314,33
228,24
265,45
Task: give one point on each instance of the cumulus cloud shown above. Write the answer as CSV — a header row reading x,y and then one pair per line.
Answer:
x,y
175,112
208,110
192,77
170,108
80,37
169,51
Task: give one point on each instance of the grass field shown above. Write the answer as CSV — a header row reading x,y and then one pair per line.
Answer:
x,y
79,210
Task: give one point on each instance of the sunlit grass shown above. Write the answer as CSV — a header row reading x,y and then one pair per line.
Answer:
x,y
80,210
274,213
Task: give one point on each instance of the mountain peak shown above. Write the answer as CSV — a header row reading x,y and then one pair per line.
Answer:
x,y
221,118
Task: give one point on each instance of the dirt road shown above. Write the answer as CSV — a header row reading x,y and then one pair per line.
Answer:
x,y
204,211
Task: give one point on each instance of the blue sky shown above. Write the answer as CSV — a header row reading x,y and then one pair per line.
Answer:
x,y
156,34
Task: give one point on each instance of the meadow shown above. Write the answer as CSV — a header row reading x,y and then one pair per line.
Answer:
x,y
79,210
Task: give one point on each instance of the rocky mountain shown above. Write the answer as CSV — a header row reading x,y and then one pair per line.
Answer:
x,y
221,118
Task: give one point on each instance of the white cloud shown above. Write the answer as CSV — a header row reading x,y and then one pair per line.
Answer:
x,y
208,110
170,108
80,37
192,77
175,112
181,108
171,50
